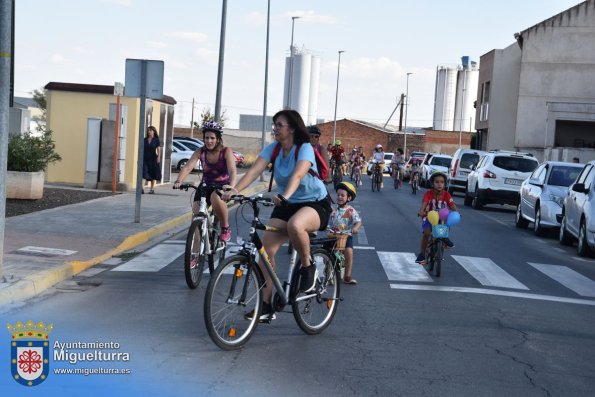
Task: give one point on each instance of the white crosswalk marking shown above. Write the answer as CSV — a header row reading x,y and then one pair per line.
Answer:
x,y
153,259
488,273
401,266
568,278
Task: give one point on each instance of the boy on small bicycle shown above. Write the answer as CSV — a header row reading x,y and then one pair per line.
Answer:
x,y
434,199
345,219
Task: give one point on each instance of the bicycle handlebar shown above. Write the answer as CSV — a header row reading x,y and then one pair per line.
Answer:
x,y
266,201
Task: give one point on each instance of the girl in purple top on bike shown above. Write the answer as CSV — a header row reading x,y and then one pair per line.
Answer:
x,y
218,169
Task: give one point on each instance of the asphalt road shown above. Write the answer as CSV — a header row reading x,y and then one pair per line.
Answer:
x,y
511,315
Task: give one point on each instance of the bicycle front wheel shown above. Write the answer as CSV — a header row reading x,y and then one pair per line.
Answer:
x,y
233,302
438,255
374,182
194,258
313,311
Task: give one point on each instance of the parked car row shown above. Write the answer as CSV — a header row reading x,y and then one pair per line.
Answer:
x,y
183,147
552,195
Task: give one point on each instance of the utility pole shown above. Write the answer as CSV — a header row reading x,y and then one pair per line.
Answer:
x,y
192,121
290,81
337,99
406,108
401,113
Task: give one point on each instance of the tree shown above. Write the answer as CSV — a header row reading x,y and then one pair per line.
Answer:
x,y
206,115
40,97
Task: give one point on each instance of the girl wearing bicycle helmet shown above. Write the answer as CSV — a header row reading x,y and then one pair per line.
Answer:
x,y
434,199
218,169
345,219
302,205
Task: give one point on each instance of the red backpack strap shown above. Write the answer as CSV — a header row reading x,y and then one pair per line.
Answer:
x,y
274,156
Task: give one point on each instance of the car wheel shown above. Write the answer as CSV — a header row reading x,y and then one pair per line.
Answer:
x,y
564,237
539,231
583,245
181,164
468,199
519,221
477,203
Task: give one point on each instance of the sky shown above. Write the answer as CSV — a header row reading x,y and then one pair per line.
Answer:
x,y
88,42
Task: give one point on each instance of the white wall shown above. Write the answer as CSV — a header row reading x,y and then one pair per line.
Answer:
x,y
558,65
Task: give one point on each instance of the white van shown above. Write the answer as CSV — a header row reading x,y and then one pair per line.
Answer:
x,y
460,166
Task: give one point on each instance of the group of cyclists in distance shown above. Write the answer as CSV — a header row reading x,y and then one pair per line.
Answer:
x,y
303,203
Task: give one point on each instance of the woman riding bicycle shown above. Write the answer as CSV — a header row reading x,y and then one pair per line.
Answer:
x,y
378,160
397,165
218,169
302,205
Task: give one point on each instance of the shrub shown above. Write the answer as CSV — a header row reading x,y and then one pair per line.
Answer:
x,y
31,153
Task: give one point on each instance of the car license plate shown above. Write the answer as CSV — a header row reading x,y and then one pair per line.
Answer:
x,y
463,173
509,181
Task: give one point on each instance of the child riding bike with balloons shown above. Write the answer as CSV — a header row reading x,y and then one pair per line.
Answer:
x,y
437,206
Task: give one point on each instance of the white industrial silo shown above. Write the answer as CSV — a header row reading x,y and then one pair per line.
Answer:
x,y
467,81
444,104
314,83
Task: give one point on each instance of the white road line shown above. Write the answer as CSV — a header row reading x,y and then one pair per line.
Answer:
x,y
359,247
561,250
485,291
488,273
44,251
578,258
568,278
401,266
153,259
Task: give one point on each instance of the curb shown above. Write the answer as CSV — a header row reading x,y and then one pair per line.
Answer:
x,y
33,285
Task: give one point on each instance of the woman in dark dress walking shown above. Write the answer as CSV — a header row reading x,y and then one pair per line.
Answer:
x,y
152,159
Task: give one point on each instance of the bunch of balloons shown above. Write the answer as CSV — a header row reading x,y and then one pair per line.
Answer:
x,y
451,218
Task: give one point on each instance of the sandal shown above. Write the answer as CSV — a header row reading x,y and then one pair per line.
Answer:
x,y
151,191
349,280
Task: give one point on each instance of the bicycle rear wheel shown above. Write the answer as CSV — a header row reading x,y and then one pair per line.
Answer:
x,y
194,258
313,311
218,248
234,290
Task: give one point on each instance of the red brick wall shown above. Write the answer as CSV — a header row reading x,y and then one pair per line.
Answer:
x,y
353,134
446,142
415,142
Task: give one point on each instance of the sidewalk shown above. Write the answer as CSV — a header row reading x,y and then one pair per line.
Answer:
x,y
79,236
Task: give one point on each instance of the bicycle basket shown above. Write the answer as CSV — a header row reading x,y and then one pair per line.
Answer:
x,y
341,240
440,231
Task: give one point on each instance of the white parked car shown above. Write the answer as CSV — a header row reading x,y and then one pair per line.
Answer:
x,y
180,156
460,167
497,178
577,220
437,163
542,195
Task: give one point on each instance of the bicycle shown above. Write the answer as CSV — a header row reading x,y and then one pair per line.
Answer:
x,y
396,173
376,177
357,174
435,248
204,223
337,173
414,182
234,297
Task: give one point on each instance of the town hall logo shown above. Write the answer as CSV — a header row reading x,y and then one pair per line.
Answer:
x,y
30,358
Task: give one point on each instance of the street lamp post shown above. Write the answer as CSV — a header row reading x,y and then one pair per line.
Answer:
x,y
266,83
290,80
406,108
221,59
337,98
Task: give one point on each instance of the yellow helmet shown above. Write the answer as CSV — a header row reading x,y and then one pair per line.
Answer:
x,y
348,187
338,142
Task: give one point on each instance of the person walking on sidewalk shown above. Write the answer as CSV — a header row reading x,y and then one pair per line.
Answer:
x,y
303,203
151,159
218,170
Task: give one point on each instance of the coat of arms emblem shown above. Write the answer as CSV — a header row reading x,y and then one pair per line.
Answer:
x,y
30,358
